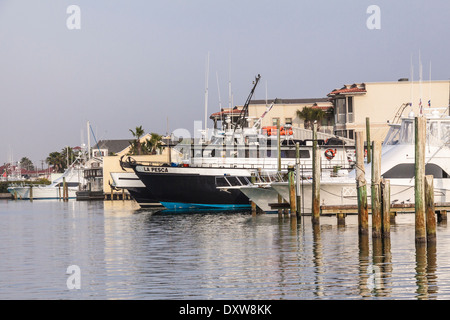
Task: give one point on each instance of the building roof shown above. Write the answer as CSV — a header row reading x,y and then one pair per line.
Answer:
x,y
290,101
223,112
349,89
237,110
112,145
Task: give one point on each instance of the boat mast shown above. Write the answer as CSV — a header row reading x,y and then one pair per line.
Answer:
x,y
88,142
206,98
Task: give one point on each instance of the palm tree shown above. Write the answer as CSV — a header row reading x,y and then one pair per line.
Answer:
x,y
56,160
136,146
309,115
27,164
154,143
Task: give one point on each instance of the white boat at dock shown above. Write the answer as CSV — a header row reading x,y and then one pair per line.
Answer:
x,y
72,176
397,166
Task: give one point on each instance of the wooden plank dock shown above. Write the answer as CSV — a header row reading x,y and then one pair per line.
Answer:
x,y
395,208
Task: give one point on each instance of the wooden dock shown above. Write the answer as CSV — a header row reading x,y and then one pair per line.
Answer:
x,y
395,208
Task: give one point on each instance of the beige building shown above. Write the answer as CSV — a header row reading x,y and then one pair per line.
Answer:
x,y
283,109
381,102
384,103
105,158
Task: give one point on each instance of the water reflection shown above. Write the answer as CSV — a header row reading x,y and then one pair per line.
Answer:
x,y
426,278
127,253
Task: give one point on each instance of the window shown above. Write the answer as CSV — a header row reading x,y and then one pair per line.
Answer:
x,y
274,121
344,110
288,121
406,171
351,134
341,133
340,111
350,109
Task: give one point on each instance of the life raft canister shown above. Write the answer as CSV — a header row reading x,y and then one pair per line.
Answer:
x,y
330,153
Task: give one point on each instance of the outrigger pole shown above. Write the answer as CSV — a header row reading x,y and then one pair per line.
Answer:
x,y
241,120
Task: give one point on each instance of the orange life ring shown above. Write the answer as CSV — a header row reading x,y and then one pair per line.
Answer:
x,y
330,153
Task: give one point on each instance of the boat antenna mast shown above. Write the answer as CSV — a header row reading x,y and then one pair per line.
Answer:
x,y
241,119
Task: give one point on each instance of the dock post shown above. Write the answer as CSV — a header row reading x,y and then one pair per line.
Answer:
x,y
297,180
67,191
64,189
419,186
376,189
369,142
386,208
31,192
316,178
15,194
361,185
292,195
430,210
340,219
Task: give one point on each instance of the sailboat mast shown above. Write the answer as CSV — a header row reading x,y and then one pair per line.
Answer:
x,y
206,97
88,141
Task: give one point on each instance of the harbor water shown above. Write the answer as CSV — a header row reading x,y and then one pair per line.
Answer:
x,y
122,252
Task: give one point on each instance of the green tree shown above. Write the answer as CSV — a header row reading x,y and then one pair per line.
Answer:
x,y
136,145
154,143
309,115
26,164
71,156
56,160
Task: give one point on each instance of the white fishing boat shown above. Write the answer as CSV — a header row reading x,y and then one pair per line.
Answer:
x,y
137,189
73,177
397,166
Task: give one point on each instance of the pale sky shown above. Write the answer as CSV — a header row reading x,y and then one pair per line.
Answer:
x,y
141,62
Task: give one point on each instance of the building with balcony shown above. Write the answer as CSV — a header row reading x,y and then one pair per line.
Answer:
x,y
384,103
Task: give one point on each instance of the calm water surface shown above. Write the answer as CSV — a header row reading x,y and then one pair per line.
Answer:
x,y
127,253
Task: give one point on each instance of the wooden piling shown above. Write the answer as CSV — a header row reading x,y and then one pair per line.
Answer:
x,y
376,189
419,186
429,209
386,208
369,142
31,192
340,216
292,193
297,180
361,185
65,196
316,178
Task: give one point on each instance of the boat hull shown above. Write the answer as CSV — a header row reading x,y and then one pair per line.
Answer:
x,y
41,192
188,188
138,191
261,196
345,193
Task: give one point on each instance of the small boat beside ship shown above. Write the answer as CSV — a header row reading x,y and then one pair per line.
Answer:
x,y
73,177
137,189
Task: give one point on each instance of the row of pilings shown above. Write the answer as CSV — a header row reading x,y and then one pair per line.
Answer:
x,y
380,206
